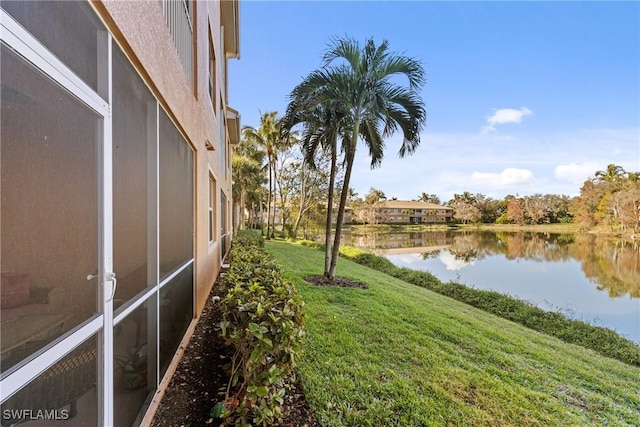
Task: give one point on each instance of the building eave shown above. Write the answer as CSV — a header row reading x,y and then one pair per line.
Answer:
x,y
233,125
230,10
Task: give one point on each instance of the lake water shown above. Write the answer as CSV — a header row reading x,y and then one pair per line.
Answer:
x,y
592,279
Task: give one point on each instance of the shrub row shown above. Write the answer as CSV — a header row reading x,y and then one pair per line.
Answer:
x,y
262,315
248,238
599,339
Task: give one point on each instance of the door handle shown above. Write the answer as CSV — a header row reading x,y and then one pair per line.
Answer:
x,y
111,276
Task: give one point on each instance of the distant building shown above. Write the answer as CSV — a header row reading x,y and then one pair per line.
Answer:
x,y
401,212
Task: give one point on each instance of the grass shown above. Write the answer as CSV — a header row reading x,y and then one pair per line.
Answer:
x,y
397,354
600,339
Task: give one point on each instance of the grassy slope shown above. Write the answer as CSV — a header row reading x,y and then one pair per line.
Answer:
x,y
396,354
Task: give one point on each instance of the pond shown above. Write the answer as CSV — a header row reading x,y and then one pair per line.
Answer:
x,y
588,278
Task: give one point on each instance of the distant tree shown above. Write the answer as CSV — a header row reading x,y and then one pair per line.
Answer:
x,y
374,196
248,175
534,209
608,199
490,209
429,198
247,178
368,209
586,205
465,209
312,189
267,136
611,174
558,208
515,210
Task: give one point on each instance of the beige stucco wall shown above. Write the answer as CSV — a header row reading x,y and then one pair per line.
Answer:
x,y
140,29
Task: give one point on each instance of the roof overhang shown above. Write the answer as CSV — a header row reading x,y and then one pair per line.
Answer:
x,y
230,10
233,125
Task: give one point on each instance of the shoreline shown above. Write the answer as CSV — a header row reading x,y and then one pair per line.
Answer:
x,y
536,228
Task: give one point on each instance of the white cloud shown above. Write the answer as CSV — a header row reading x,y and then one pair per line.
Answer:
x,y
576,173
451,263
507,178
445,162
504,116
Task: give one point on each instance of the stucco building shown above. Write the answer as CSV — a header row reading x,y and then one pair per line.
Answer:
x,y
115,198
401,211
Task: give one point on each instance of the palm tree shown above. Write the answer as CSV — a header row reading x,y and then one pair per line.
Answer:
x,y
266,136
633,176
429,198
613,173
248,175
324,125
284,142
357,80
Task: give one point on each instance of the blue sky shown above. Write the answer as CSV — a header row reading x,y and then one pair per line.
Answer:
x,y
521,97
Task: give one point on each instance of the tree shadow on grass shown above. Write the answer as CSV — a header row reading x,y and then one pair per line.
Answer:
x,y
336,281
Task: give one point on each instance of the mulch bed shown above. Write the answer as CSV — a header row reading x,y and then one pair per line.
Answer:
x,y
200,380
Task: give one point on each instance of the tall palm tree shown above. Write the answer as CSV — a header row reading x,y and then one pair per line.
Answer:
x,y
358,80
247,178
266,136
284,142
248,175
324,126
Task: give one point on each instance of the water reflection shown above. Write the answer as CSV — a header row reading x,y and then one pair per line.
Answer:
x,y
590,278
613,266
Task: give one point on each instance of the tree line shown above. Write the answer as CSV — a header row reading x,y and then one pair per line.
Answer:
x,y
610,198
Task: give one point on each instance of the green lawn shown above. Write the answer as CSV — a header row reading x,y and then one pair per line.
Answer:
x,y
397,354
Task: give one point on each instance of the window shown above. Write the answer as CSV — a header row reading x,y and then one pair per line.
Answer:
x,y
134,179
72,32
223,222
212,198
176,197
50,148
212,73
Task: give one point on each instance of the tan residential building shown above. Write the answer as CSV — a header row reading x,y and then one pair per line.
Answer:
x,y
116,199
403,212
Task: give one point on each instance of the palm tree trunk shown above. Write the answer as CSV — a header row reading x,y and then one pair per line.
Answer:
x,y
269,198
343,201
241,212
282,205
327,232
303,197
274,199
343,196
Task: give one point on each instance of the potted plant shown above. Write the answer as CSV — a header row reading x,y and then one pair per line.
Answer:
x,y
134,368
